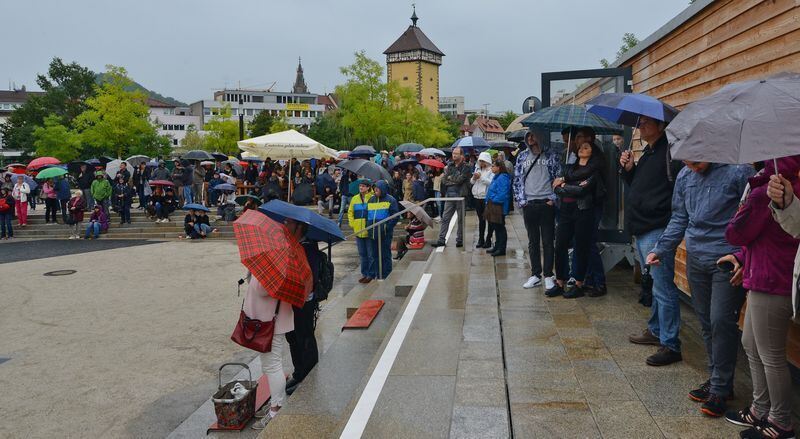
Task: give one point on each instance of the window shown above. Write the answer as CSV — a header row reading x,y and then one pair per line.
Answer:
x,y
296,114
405,78
174,142
258,98
249,111
206,111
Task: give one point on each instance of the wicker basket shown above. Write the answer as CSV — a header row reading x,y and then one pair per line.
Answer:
x,y
231,412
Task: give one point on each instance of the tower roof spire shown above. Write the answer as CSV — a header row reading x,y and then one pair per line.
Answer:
x,y
414,17
300,80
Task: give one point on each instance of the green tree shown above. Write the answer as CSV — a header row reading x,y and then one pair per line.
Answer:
x,y
328,130
629,41
66,88
193,139
260,124
279,125
222,133
55,140
117,121
506,118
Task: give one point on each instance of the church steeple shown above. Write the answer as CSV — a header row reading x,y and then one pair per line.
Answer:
x,y
299,80
414,17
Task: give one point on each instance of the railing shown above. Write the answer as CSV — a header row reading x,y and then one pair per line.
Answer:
x,y
461,213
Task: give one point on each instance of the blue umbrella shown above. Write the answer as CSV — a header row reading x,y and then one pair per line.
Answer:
x,y
471,142
225,187
195,206
319,228
362,151
626,108
31,183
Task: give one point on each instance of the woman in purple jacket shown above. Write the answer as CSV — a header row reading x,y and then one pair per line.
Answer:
x,y
767,257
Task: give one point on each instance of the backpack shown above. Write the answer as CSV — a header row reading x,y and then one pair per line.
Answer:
x,y
323,284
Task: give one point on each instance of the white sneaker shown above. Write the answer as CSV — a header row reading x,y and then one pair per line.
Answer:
x,y
549,283
532,282
71,236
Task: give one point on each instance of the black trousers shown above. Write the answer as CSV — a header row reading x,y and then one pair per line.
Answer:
x,y
540,223
480,207
573,224
501,235
50,209
63,204
302,343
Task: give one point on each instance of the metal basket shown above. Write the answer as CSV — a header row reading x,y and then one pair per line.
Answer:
x,y
231,412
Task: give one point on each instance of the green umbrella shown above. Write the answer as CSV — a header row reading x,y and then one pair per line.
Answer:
x,y
242,199
51,173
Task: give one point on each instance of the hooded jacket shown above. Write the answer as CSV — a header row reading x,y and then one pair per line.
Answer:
x,y
767,250
101,189
481,184
380,208
499,191
357,213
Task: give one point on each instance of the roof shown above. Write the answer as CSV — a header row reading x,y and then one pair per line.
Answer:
x,y
489,125
20,96
516,124
327,100
413,39
155,103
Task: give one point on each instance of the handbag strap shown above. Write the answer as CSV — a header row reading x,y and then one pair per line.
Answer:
x,y
531,167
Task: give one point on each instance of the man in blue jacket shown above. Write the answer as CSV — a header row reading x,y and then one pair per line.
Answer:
x,y
63,195
379,207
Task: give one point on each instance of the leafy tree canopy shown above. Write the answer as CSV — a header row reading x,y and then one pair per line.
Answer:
x,y
222,133
629,41
55,140
260,124
506,118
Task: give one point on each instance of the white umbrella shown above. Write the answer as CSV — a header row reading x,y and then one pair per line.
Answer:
x,y
112,167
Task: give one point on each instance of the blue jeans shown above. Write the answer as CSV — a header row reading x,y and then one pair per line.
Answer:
x,y
93,228
665,320
202,228
187,194
343,208
439,204
385,268
5,225
367,254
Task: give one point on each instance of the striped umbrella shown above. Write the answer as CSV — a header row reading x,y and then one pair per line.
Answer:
x,y
569,116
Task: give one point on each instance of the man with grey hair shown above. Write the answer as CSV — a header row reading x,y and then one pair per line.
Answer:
x,y
455,183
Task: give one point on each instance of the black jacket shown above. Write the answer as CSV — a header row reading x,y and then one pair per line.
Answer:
x,y
650,184
580,182
85,180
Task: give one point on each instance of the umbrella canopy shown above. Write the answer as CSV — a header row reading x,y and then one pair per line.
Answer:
x,y
50,173
76,166
431,152
16,165
274,257
517,136
569,116
741,123
195,206
113,166
136,160
104,159
405,162
433,163
33,185
41,161
253,159
409,147
218,156
471,143
362,151
319,228
502,144
151,164
353,186
626,108
224,187
94,162
243,199
366,168
286,145
418,212
197,154
161,183
235,165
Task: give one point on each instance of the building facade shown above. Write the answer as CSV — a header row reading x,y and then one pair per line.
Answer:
x,y
413,61
10,100
172,121
451,106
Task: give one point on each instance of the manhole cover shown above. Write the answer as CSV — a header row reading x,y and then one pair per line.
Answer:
x,y
60,273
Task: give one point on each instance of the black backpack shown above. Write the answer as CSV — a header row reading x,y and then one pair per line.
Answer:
x,y
324,281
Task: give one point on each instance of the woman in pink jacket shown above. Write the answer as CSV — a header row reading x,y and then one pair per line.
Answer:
x,y
767,262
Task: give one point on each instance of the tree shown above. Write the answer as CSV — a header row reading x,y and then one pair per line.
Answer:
x,y
222,133
260,124
66,88
506,118
629,41
328,130
55,140
193,139
279,125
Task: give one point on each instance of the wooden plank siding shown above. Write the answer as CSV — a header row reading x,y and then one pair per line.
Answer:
x,y
726,41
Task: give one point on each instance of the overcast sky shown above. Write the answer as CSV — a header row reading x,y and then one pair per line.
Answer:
x,y
495,50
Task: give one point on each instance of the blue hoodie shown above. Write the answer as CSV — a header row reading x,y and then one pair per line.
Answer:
x,y
379,208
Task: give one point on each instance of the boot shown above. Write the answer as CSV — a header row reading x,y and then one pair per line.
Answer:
x,y
487,244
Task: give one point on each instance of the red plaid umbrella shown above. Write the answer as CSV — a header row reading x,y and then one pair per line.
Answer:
x,y
43,161
274,257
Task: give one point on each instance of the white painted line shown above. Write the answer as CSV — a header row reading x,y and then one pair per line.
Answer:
x,y
449,231
366,403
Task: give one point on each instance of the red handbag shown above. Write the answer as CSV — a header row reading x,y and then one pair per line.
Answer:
x,y
254,334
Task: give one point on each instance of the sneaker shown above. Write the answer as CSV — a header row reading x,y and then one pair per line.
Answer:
x,y
459,244
263,412
291,385
573,292
714,406
743,417
571,282
665,356
71,236
532,282
549,282
767,429
262,423
646,337
597,291
555,291
438,244
701,393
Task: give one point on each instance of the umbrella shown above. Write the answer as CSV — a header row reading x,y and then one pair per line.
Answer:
x,y
41,161
94,162
409,147
33,184
741,123
502,144
366,168
224,187
243,199
433,163
16,165
136,160
517,136
286,145
76,166
195,206
431,151
274,257
471,142
418,212
161,183
303,194
218,156
206,163
235,165
362,151
252,159
626,108
353,186
151,164
197,154
113,166
51,173
405,162
319,228
569,116
104,159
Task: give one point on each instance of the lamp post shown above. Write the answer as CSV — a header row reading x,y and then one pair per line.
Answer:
x,y
241,119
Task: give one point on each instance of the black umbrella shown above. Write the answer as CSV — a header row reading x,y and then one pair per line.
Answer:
x,y
105,159
500,144
366,168
236,166
219,156
403,163
409,147
76,166
517,136
197,154
94,162
362,151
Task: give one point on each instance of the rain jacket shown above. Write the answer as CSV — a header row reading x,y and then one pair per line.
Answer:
x,y
789,219
357,213
100,217
76,207
379,209
767,250
101,189
481,184
62,189
498,191
21,191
